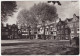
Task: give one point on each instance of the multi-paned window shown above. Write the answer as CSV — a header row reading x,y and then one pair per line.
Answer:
x,y
38,29
66,31
62,31
72,36
62,26
77,29
58,27
72,30
50,28
58,32
51,32
6,33
15,29
67,37
12,29
46,29
41,29
35,32
66,26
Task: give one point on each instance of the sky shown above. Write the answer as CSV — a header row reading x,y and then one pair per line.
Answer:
x,y
66,10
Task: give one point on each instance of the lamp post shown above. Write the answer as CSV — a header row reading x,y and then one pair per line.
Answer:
x,y
29,29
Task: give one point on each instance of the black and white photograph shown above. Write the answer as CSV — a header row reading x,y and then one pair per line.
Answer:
x,y
40,27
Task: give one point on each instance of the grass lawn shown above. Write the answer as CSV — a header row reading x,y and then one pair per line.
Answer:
x,y
34,47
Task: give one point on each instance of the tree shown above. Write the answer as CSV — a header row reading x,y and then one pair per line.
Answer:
x,y
44,12
25,17
7,9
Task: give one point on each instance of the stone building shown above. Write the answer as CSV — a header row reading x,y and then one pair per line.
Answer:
x,y
73,24
4,32
24,31
53,30
9,31
14,31
49,30
28,32
63,31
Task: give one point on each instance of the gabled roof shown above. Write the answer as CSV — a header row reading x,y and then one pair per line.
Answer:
x,y
77,17
61,23
69,19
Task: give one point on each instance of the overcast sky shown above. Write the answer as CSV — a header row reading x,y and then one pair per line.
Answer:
x,y
66,10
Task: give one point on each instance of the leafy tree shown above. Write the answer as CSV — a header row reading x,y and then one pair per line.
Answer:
x,y
7,9
44,12
27,18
